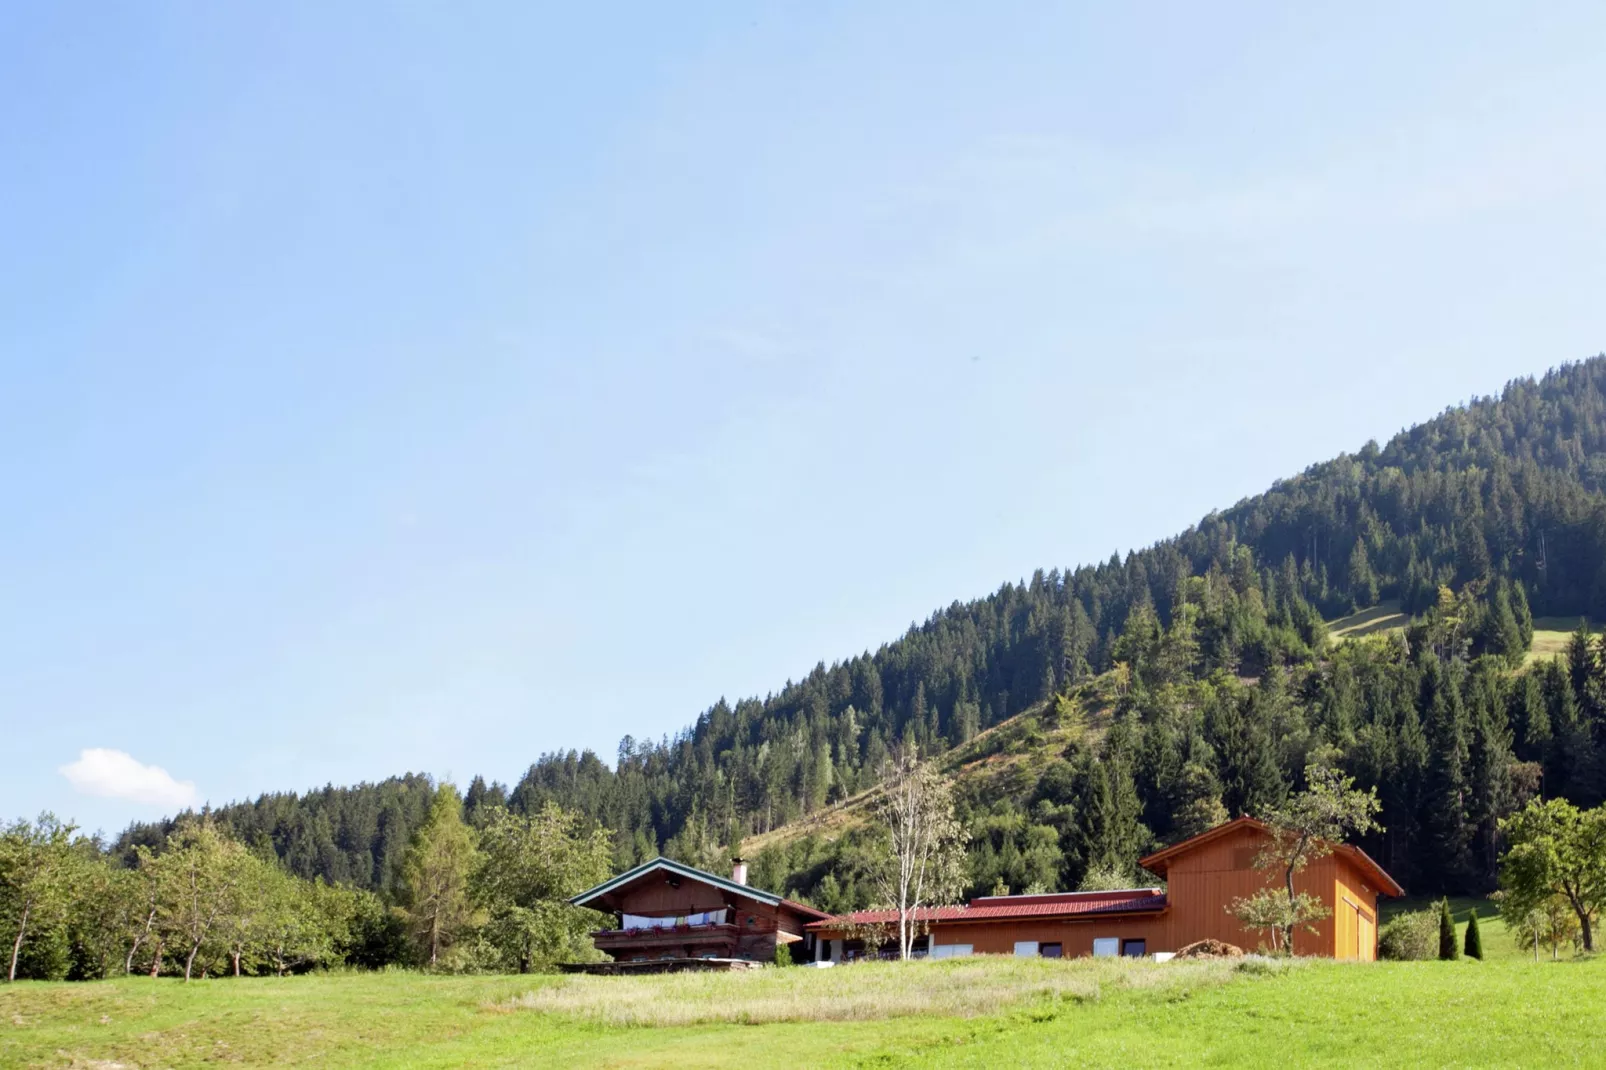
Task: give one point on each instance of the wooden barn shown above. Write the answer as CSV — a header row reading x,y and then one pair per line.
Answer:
x,y
672,916
1203,876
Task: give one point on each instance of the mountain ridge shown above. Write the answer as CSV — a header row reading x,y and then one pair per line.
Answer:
x,y
1500,499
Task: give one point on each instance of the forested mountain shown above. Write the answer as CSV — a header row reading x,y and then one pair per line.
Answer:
x,y
1202,662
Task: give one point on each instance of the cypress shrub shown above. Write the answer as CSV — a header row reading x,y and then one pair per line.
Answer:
x,y
1449,948
1474,946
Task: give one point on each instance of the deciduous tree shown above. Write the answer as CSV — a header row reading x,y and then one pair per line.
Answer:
x,y
1305,828
201,875
35,864
926,857
1556,850
529,867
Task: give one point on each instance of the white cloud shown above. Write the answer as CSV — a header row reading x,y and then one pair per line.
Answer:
x,y
115,775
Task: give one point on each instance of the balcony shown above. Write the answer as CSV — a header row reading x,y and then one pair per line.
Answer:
x,y
693,940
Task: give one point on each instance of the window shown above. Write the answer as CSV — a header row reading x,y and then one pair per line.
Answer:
x,y
1050,951
1106,947
1134,949
1025,949
952,951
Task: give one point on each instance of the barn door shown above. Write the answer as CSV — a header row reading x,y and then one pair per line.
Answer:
x,y
1365,935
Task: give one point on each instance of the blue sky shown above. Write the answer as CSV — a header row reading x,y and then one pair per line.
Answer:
x,y
423,387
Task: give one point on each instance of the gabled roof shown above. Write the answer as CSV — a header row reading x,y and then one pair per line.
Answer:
x,y
669,865
1014,907
1160,861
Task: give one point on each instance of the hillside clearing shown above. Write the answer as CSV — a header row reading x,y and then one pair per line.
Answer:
x,y
1383,617
1007,757
1128,1014
1551,636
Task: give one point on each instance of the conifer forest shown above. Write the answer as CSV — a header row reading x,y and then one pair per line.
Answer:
x,y
1148,697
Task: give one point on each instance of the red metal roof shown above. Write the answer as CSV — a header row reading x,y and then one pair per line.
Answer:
x,y
874,917
1010,907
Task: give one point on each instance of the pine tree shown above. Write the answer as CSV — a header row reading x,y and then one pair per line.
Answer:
x,y
1111,834
1251,779
1362,580
1529,718
1446,847
1505,636
1448,948
1474,944
1523,614
1582,667
1488,772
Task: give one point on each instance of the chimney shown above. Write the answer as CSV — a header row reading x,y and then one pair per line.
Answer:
x,y
739,870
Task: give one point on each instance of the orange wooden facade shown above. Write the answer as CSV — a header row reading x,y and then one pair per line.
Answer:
x,y
1074,935
1203,877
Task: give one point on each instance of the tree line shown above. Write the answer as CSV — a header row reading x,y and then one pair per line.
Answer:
x,y
490,896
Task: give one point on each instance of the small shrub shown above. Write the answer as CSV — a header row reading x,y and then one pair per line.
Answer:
x,y
1474,945
1449,949
1410,937
783,954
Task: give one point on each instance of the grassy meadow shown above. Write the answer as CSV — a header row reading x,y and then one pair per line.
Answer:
x,y
1551,636
1383,617
1505,1011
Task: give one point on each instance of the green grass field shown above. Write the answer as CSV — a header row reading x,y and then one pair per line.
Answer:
x,y
1505,1011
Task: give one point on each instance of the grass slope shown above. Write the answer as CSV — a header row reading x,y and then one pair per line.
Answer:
x,y
975,1013
1006,759
1383,617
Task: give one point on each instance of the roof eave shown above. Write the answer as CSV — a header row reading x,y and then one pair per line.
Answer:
x,y
1164,856
1389,886
593,894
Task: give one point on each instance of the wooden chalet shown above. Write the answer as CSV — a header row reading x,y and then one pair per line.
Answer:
x,y
1203,876
672,916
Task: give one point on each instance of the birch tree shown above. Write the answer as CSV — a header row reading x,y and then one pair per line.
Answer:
x,y
35,885
927,845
